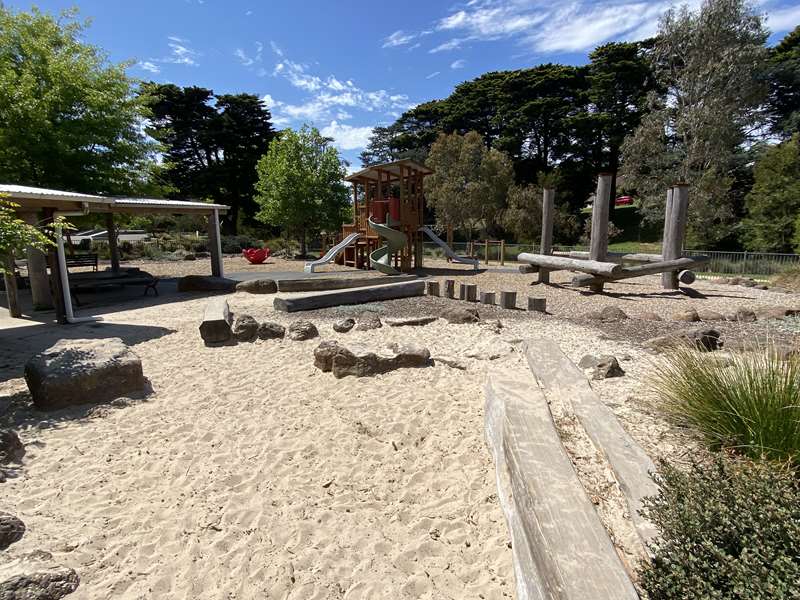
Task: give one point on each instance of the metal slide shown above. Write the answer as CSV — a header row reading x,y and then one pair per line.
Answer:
x,y
330,255
381,259
447,250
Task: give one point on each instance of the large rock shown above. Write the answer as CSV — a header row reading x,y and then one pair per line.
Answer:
x,y
11,447
368,320
706,340
344,325
83,371
773,312
603,367
302,330
271,331
51,584
411,321
650,316
709,315
742,315
688,316
11,530
609,314
206,283
245,329
461,315
257,286
358,361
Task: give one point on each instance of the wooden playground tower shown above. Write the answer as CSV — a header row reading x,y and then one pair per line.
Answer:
x,y
392,189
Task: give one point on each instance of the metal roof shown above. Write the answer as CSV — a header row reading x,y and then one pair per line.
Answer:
x,y
162,203
24,191
393,168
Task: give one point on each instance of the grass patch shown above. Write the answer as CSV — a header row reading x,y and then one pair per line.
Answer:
x,y
789,279
751,405
729,530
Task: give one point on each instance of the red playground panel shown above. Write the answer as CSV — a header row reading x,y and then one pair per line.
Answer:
x,y
256,256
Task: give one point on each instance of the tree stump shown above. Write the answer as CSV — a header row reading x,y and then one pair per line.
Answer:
x,y
433,288
488,297
508,299
537,304
471,292
449,288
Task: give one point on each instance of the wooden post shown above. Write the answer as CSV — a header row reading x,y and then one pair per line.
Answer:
x,y
37,272
598,245
471,294
113,249
462,291
215,244
508,299
546,247
433,288
449,288
537,304
488,297
10,281
55,275
486,252
502,253
674,231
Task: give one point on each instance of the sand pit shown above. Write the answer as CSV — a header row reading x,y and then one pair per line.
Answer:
x,y
248,473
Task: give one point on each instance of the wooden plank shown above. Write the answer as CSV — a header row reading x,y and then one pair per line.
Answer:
x,y
571,264
631,465
321,284
355,296
678,264
561,550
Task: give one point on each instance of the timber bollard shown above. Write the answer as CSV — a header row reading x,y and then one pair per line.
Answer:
x,y
472,292
433,288
462,291
449,288
508,299
488,297
537,304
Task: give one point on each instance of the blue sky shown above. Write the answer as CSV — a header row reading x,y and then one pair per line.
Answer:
x,y
349,65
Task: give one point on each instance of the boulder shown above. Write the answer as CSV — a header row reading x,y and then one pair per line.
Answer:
x,y
612,313
772,312
11,530
688,316
368,320
205,283
742,315
189,256
607,366
709,315
706,340
302,330
216,325
411,321
358,361
83,371
11,448
257,286
344,325
51,584
650,316
245,329
460,315
271,331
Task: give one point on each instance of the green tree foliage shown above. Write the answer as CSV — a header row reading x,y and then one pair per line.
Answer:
x,y
470,181
16,235
211,144
708,66
68,118
523,217
300,185
773,204
784,79
729,530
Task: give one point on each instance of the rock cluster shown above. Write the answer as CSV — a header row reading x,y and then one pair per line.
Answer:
x,y
603,367
83,371
50,584
748,282
706,340
331,357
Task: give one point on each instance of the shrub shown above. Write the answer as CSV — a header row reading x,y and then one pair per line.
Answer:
x,y
751,405
234,244
789,279
729,530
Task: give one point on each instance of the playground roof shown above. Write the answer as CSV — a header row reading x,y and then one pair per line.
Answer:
x,y
393,169
34,198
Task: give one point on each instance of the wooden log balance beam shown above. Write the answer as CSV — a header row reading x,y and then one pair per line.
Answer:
x,y
390,291
615,256
557,263
321,284
679,264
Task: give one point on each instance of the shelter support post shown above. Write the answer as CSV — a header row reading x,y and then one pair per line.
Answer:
x,y
10,281
113,247
598,245
56,292
37,271
546,247
215,244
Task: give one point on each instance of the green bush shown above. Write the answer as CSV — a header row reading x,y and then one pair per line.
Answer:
x,y
750,405
729,530
234,244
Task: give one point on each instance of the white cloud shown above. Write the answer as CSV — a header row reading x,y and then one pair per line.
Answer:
x,y
275,48
149,66
458,64
434,74
448,45
249,60
783,19
346,137
398,38
182,53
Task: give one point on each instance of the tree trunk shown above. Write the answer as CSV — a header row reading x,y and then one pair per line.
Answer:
x,y
303,243
11,286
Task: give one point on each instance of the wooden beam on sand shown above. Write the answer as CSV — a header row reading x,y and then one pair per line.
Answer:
x,y
570,264
560,547
679,264
620,257
379,293
321,284
631,465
